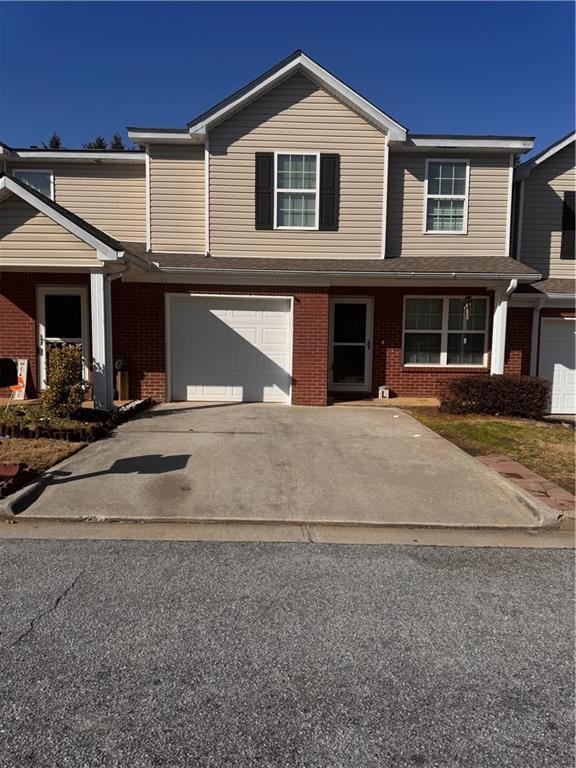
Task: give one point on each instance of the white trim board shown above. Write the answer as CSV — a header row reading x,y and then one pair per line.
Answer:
x,y
128,156
524,170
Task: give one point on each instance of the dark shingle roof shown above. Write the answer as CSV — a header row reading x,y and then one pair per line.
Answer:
x,y
551,285
404,265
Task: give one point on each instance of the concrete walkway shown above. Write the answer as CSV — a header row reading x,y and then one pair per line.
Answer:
x,y
248,462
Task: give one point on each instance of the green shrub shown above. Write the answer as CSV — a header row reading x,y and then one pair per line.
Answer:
x,y
523,396
66,388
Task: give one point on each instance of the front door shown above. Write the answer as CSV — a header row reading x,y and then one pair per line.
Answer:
x,y
351,345
62,319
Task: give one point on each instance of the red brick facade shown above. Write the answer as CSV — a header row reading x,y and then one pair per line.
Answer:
x,y
18,332
138,322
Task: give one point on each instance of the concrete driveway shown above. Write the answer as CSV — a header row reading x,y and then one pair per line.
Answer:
x,y
264,462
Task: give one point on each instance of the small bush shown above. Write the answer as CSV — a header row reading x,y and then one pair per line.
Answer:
x,y
66,389
523,396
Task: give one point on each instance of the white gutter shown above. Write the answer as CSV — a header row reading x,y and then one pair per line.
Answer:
x,y
350,273
129,156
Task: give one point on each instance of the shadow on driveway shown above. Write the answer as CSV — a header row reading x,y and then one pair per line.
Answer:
x,y
151,464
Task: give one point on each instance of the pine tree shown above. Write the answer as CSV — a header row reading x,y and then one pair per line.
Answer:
x,y
54,142
98,143
117,142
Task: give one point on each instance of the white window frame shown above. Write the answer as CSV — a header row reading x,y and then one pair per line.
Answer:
x,y
15,171
316,191
464,197
444,332
60,290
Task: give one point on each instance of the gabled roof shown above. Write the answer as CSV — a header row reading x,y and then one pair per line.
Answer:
x,y
108,248
297,62
524,170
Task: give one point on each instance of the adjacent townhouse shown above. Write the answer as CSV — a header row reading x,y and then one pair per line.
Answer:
x,y
293,244
545,187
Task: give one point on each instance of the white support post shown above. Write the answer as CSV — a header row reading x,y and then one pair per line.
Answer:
x,y
535,337
499,321
101,311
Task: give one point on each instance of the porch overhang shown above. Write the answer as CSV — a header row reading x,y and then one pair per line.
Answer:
x,y
329,271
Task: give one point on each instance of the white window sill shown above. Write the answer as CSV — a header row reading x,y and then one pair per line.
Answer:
x,y
444,232
479,366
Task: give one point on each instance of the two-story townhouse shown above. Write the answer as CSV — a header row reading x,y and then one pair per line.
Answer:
x,y
292,244
545,187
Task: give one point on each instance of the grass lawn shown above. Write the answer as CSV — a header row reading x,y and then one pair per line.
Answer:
x,y
547,449
38,454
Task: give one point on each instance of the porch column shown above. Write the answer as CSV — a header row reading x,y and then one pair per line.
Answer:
x,y
102,364
499,321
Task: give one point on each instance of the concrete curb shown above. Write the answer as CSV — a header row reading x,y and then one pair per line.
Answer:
x,y
365,524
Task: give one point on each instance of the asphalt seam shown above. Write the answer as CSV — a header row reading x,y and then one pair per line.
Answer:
x,y
32,623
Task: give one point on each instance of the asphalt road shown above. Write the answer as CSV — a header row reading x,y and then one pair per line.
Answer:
x,y
140,654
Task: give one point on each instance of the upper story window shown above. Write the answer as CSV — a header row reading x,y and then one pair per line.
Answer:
x,y
445,331
297,188
567,249
447,196
41,181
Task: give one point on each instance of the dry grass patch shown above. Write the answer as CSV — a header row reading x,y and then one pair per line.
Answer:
x,y
38,454
547,449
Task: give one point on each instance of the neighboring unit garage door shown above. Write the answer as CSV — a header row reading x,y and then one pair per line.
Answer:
x,y
557,352
230,349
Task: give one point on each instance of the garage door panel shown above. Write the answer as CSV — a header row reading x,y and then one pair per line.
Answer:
x,y
558,363
230,349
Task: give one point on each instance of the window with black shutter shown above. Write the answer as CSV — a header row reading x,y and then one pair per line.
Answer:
x,y
568,218
264,190
329,192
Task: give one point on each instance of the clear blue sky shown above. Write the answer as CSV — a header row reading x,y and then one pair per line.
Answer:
x,y
457,67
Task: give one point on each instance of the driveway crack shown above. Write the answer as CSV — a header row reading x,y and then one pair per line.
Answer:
x,y
32,623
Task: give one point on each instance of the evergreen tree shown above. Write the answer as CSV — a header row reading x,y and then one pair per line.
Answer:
x,y
54,142
98,143
117,142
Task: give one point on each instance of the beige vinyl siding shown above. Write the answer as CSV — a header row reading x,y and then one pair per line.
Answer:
x,y
177,198
109,196
488,197
542,214
29,238
297,116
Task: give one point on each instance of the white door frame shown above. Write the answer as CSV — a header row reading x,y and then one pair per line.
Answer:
x,y
540,337
59,290
170,297
367,386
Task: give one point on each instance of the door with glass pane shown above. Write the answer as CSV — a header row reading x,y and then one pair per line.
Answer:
x,y
351,344
62,319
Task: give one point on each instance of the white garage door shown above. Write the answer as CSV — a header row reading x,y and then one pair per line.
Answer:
x,y
230,349
557,353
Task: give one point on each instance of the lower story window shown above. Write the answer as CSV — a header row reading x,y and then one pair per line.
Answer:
x,y
445,331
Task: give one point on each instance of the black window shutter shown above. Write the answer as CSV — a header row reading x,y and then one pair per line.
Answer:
x,y
329,192
264,192
567,250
